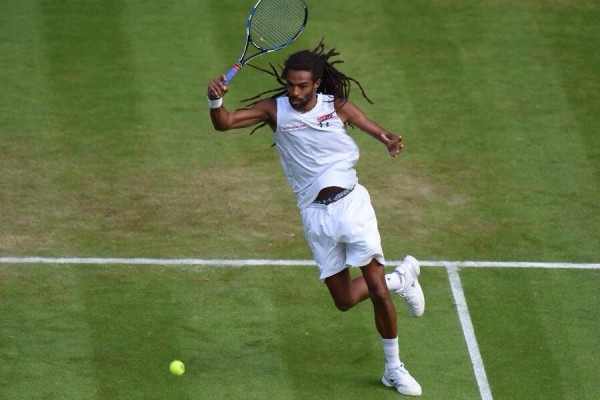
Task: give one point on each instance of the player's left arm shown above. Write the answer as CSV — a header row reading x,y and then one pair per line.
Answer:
x,y
351,113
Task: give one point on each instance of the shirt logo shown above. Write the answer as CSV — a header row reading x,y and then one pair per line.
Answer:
x,y
325,117
293,127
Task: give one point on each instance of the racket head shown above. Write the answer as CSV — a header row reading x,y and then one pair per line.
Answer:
x,y
273,24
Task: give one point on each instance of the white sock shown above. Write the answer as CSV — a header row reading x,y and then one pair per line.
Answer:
x,y
391,351
394,281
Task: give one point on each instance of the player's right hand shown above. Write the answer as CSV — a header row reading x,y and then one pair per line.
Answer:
x,y
217,88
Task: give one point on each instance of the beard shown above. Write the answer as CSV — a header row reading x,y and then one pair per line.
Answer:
x,y
300,102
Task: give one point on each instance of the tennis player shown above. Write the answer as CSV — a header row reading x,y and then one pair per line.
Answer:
x,y
308,117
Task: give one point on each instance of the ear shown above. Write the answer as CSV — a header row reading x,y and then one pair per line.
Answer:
x,y
316,84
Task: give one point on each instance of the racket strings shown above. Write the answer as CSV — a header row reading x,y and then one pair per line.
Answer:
x,y
275,23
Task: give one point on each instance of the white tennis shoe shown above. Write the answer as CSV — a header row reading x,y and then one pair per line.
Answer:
x,y
400,379
411,292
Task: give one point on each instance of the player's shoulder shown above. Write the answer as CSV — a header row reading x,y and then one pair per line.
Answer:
x,y
345,108
267,107
269,103
341,101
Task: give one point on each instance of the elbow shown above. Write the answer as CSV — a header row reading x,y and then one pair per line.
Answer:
x,y
220,126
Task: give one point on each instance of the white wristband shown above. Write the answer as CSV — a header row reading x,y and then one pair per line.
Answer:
x,y
214,103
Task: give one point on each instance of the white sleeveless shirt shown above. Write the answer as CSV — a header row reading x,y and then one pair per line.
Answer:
x,y
314,149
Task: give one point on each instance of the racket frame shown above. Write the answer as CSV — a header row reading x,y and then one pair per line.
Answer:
x,y
241,61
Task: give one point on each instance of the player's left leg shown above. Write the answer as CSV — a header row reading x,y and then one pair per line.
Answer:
x,y
385,312
395,375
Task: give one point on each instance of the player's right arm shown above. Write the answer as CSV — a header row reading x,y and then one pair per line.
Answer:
x,y
223,119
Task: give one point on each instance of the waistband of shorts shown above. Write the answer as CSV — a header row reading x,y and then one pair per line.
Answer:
x,y
335,197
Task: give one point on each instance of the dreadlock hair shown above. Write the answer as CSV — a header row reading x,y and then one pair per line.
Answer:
x,y
318,62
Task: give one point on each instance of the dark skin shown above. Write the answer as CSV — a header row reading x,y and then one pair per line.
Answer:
x,y
345,291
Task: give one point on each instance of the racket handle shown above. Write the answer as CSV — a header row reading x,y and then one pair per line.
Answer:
x,y
232,72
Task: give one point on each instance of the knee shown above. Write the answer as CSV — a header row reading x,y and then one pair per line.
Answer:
x,y
344,304
379,295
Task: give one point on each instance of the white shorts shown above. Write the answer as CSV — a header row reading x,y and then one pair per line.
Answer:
x,y
343,233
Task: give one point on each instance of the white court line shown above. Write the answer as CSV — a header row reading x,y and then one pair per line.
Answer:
x,y
153,261
469,332
510,264
284,263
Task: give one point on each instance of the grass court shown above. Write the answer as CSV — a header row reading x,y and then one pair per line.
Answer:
x,y
107,150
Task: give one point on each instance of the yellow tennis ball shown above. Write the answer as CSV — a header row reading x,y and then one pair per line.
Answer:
x,y
177,368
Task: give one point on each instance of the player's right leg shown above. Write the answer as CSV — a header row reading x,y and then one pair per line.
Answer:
x,y
345,291
404,281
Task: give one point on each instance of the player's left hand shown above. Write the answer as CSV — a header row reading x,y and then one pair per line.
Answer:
x,y
393,143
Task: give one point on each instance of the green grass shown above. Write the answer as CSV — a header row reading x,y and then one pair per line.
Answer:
x,y
536,331
106,150
110,332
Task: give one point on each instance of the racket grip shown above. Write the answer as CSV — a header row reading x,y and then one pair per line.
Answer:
x,y
232,72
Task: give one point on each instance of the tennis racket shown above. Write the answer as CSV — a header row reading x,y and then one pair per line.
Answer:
x,y
271,25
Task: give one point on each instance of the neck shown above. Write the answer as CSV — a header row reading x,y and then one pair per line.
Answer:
x,y
308,107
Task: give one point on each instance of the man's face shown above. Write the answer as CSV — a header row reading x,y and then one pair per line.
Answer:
x,y
301,89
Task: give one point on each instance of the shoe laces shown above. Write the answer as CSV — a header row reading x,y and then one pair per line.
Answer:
x,y
402,292
395,372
